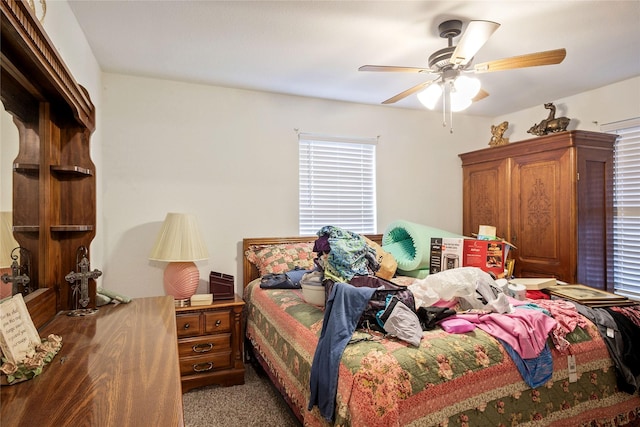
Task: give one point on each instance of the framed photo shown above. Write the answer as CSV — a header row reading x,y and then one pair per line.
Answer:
x,y
582,293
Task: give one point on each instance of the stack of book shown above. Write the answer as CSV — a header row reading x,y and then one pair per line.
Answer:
x,y
201,299
588,296
535,283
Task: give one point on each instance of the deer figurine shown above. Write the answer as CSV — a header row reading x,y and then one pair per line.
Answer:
x,y
551,124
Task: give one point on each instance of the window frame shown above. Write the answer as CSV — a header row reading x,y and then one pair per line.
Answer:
x,y
626,206
330,170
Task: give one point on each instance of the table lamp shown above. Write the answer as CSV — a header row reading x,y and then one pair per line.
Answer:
x,y
180,244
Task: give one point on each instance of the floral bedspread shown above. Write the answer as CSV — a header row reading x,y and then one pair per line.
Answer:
x,y
450,380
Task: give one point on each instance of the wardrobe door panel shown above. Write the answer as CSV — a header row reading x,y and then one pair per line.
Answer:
x,y
543,220
485,202
595,224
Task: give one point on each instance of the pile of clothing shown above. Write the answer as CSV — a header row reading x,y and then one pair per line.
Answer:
x,y
458,300
343,254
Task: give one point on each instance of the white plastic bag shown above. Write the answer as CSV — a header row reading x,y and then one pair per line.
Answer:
x,y
467,284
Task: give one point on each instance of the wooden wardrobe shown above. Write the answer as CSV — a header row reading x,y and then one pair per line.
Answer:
x,y
552,197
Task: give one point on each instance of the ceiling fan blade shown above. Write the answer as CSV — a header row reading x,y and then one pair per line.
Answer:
x,y
548,57
474,37
408,92
481,95
392,68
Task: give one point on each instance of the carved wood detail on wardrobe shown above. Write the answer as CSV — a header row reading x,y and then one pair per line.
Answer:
x,y
552,197
54,184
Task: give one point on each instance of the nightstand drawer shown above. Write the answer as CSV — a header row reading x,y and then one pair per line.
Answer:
x,y
207,363
188,324
217,321
200,345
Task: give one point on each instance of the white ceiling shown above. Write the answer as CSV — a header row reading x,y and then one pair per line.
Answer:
x,y
314,48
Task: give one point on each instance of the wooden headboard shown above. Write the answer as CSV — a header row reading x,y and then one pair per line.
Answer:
x,y
250,272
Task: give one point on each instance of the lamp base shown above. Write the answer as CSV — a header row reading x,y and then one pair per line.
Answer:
x,y
181,279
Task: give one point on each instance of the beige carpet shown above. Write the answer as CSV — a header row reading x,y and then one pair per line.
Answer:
x,y
255,403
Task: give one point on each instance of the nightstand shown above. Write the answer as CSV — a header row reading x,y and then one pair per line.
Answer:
x,y
210,344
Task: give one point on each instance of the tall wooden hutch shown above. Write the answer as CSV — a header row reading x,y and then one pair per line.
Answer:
x,y
54,183
552,197
122,361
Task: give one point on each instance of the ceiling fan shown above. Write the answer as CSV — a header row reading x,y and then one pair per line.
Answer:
x,y
452,63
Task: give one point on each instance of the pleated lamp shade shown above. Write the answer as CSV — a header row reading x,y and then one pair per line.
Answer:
x,y
180,244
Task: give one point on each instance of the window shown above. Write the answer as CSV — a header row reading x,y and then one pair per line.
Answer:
x,y
626,205
337,183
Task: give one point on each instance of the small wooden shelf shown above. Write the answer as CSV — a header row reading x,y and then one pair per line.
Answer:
x,y
70,227
26,228
71,170
26,168
57,228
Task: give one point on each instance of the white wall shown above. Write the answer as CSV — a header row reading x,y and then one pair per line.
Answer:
x,y
8,151
587,111
230,157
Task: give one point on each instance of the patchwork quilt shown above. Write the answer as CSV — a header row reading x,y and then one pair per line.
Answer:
x,y
449,380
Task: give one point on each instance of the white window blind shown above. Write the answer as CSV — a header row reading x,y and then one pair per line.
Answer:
x,y
337,183
626,219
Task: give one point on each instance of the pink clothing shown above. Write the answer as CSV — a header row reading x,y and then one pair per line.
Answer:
x,y
525,330
567,317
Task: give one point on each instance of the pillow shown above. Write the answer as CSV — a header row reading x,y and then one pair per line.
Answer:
x,y
280,258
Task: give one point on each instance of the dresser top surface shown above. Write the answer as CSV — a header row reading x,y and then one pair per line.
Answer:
x,y
116,367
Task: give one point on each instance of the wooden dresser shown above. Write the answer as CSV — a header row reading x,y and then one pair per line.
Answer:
x,y
210,344
552,197
118,367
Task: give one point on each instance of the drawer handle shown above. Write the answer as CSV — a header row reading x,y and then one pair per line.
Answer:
x,y
202,348
218,322
202,367
186,326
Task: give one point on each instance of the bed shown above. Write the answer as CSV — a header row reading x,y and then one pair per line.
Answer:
x,y
450,380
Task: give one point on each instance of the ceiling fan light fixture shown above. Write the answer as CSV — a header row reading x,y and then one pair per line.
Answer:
x,y
458,102
430,96
467,87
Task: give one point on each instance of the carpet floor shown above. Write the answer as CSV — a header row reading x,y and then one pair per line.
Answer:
x,y
255,403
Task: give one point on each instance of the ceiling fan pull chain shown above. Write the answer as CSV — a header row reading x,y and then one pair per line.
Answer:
x,y
450,120
451,90
444,105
